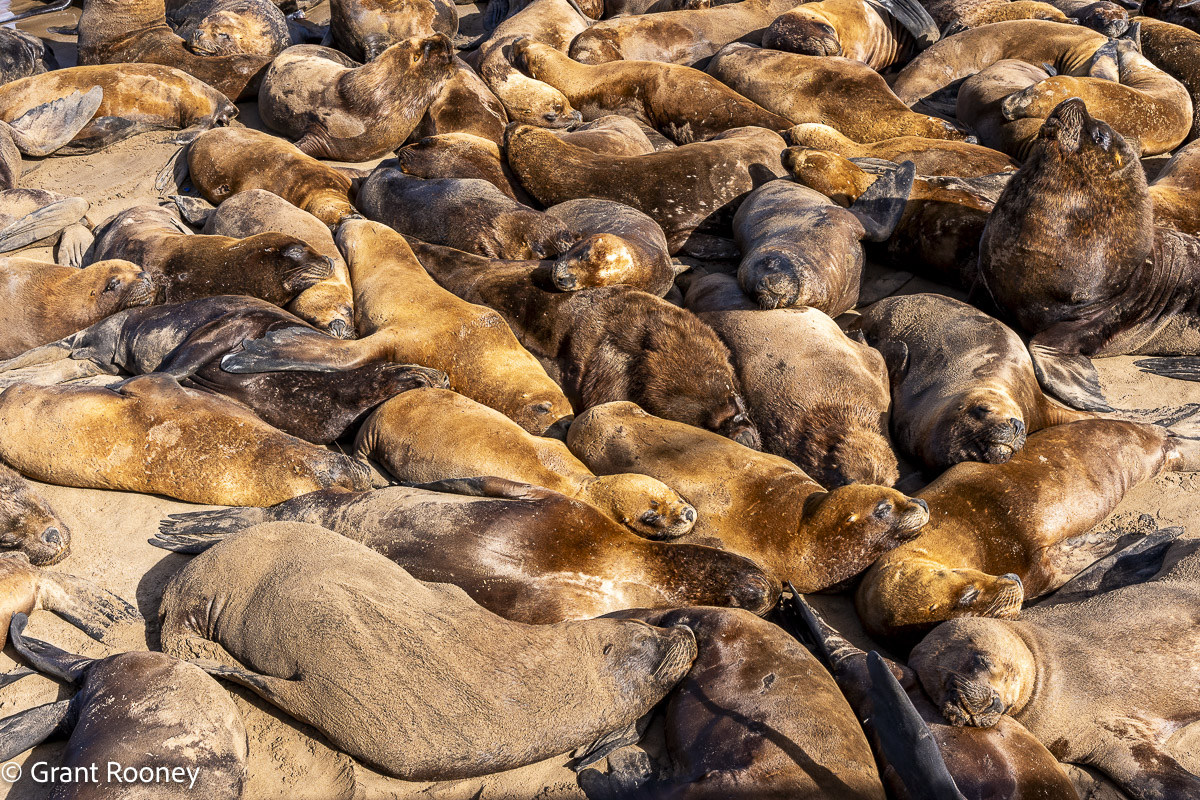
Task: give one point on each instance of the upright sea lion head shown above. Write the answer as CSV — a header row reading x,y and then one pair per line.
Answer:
x,y
644,504
602,259
1072,138
803,31
121,284
877,517
984,425
975,670
28,524
296,262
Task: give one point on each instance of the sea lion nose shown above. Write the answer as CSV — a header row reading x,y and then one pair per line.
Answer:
x,y
52,536
688,515
1015,578
924,506
1018,425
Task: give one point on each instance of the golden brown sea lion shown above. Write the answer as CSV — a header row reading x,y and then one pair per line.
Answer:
x,y
363,29
82,603
955,16
622,245
1176,51
929,156
1175,193
615,135
229,27
980,99
878,33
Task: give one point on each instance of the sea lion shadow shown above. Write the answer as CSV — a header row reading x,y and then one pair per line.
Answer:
x,y
148,595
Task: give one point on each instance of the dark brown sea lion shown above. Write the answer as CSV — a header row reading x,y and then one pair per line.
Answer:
x,y
1176,51
639,256
21,55
404,317
1175,192
363,29
1171,12
464,104
1010,520
980,102
751,703
568,561
1083,676
1111,19
44,302
149,714
334,108
877,33
758,505
225,162
136,31
151,435
850,96
683,103
28,524
95,611
230,27
819,399
348,606
606,344
461,155
724,169
929,156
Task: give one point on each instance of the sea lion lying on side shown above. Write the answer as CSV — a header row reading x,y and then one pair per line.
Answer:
x,y
229,27
878,34
363,29
940,157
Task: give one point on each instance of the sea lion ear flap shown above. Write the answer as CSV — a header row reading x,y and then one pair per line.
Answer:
x,y
31,727
914,17
44,656
881,206
905,740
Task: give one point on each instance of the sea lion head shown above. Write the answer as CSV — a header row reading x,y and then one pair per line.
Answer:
x,y
1106,17
985,425
838,449
910,593
122,284
28,524
296,262
602,259
803,31
772,280
730,419
975,670
644,504
1071,136
876,516
634,650
223,34
421,52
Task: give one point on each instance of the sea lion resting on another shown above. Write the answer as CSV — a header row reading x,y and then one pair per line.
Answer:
x,y
95,611
940,157
1175,192
461,155
758,505
361,627
363,29
878,33
228,27
464,104
955,16
28,524
630,248
22,54
1176,51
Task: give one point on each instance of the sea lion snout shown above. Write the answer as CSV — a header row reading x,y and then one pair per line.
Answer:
x,y
972,704
1065,124
776,284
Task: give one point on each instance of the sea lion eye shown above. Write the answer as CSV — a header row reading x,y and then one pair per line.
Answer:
x,y
968,596
294,252
113,285
883,510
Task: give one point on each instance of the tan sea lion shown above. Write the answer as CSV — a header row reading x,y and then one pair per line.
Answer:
x,y
631,248
762,506
612,134
225,162
955,16
929,156
461,155
225,606
1176,51
566,560
28,525
230,27
136,31
1175,192
981,98
85,605
1011,520
419,437
466,105
819,399
151,435
850,96
403,316
877,33
363,29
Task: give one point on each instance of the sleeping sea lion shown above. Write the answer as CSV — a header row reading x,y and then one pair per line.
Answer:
x,y
229,27
639,256
461,155
28,524
363,29
1176,51
878,33
464,104
929,156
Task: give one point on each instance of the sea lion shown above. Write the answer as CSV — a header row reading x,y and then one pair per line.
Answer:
x,y
980,104
464,104
1081,676
606,344
614,134
135,98
97,612
144,712
657,184
363,29
1176,51
955,16
569,561
1010,520
151,435
21,55
799,248
226,604
1171,12
1121,288
334,108
28,524
419,438
639,258
762,507
461,155
683,103
819,399
753,700
136,31
229,27
626,8
878,34
963,386
404,316
227,161
929,156
270,266
328,304
850,96
44,302
1108,18
1176,190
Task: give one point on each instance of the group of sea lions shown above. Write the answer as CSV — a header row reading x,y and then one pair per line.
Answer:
x,y
537,421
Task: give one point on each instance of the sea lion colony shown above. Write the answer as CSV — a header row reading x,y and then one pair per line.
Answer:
x,y
536,422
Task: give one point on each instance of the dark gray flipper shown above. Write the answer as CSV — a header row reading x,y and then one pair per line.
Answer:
x,y
196,210
95,611
1137,563
7,678
586,756
1142,768
1133,34
265,686
881,206
629,769
43,223
103,132
29,728
915,19
171,177
196,531
497,12
58,5
1104,62
45,657
1181,368
804,624
291,349
48,127
1069,377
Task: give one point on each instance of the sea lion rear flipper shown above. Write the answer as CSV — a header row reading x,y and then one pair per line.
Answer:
x,y
103,132
1070,377
7,678
905,739
881,206
1181,368
267,687
806,625
73,245
44,656
29,728
43,223
85,605
1140,767
915,19
295,350
1136,563
485,486
202,529
196,210
171,177
48,127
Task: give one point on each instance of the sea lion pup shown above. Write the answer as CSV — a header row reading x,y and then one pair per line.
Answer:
x,y
461,155
878,34
1077,678
136,31
1121,288
1176,191
886,695
569,561
929,156
135,98
606,344
657,184
464,213
225,607
819,399
981,406
850,96
336,109
45,302
683,103
1010,520
753,700
639,256
464,104
97,612
404,316
363,29
229,27
409,436
1176,51
21,55
270,266
799,248
1067,48
151,435
142,711
227,161
328,304
763,507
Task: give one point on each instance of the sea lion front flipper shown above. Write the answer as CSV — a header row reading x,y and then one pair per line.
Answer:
x,y
43,223
486,486
609,743
1070,377
294,350
73,245
85,605
208,526
914,17
1104,63
103,132
48,127
271,689
1140,767
1136,563
881,206
196,210
44,656
629,769
27,729
7,678
907,743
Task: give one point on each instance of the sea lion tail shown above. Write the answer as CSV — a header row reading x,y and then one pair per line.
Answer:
x,y
44,656
48,127
196,531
